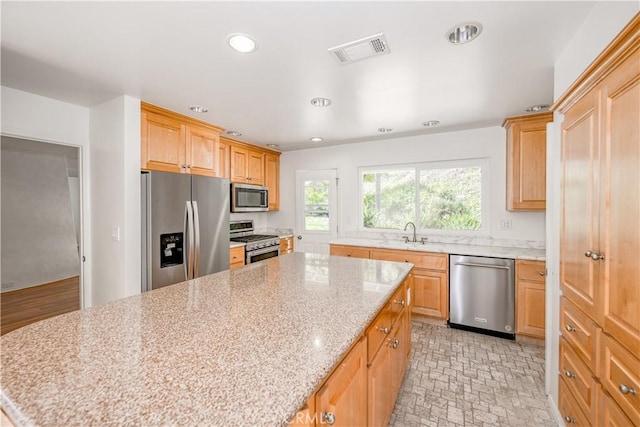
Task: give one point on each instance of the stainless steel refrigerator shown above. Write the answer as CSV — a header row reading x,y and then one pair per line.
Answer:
x,y
185,227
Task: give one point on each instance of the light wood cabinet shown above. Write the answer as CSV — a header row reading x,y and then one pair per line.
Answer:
x,y
246,165
350,251
530,298
379,388
236,257
527,161
171,142
286,245
272,179
342,400
224,158
600,231
430,280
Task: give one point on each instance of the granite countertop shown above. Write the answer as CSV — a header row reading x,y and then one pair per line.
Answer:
x,y
449,248
239,347
236,244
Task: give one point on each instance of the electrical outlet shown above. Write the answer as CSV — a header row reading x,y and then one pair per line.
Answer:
x,y
505,224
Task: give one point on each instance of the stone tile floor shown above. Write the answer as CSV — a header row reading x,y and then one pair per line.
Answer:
x,y
459,378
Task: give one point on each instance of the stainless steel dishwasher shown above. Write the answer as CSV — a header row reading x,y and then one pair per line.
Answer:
x,y
482,295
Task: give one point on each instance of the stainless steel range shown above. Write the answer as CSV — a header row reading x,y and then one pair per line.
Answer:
x,y
258,246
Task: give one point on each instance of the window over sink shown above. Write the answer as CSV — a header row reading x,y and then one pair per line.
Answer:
x,y
436,196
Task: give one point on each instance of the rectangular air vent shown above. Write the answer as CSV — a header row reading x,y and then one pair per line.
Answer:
x,y
364,48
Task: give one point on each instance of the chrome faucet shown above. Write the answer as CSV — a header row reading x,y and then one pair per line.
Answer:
x,y
414,231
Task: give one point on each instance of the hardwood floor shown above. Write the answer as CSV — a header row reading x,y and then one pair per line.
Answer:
x,y
24,306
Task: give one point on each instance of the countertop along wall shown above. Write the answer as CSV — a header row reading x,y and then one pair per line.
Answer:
x,y
489,142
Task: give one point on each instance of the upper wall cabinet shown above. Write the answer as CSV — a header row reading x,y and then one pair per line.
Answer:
x,y
526,161
247,164
175,143
272,179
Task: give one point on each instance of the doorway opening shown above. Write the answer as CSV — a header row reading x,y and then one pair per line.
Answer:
x,y
41,231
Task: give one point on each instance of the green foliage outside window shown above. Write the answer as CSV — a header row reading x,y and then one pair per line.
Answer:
x,y
449,198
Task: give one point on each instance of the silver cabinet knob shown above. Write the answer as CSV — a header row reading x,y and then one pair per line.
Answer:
x,y
183,166
385,330
570,419
401,302
541,273
596,257
299,237
588,254
570,328
329,418
570,374
395,343
626,390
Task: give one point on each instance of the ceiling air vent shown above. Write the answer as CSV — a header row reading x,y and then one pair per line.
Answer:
x,y
364,48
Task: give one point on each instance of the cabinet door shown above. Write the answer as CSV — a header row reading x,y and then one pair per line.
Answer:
x,y
239,165
379,388
610,414
620,204
272,180
431,293
526,163
255,167
530,306
236,257
579,206
202,151
343,397
223,159
163,143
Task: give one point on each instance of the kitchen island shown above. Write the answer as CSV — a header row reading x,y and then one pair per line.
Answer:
x,y
241,347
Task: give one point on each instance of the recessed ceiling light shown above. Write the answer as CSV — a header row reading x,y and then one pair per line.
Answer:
x,y
198,109
272,145
431,123
316,139
536,108
464,33
385,130
233,133
242,43
320,102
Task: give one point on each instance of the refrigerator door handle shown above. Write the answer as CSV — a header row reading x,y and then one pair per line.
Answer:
x,y
196,252
188,225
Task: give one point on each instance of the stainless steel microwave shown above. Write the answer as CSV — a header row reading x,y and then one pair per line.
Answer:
x,y
249,198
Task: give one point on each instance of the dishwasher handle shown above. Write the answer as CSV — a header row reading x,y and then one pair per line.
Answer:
x,y
472,264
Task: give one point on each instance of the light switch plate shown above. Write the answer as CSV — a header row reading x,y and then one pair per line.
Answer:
x,y
115,233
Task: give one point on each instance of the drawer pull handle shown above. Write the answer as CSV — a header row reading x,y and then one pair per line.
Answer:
x,y
626,390
570,419
329,417
570,328
384,330
401,302
541,273
570,374
394,343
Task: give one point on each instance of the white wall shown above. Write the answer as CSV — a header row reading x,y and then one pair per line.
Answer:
x,y
485,142
600,27
29,116
115,187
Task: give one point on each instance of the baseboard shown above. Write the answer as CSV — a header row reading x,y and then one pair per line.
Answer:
x,y
530,340
426,319
555,411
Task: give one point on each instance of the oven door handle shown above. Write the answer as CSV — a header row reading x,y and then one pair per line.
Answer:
x,y
268,249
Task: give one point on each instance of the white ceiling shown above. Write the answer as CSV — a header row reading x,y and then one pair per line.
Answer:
x,y
174,54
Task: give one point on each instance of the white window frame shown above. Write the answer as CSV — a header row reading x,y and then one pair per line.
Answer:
x,y
482,162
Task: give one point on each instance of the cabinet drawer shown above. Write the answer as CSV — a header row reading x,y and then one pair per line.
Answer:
x,y
610,413
578,379
426,260
236,256
620,375
533,271
397,303
378,332
350,251
569,408
582,333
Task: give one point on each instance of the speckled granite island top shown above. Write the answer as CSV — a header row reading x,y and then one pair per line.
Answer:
x,y
240,347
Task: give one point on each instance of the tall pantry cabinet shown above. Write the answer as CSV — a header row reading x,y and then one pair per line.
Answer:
x,y
600,239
